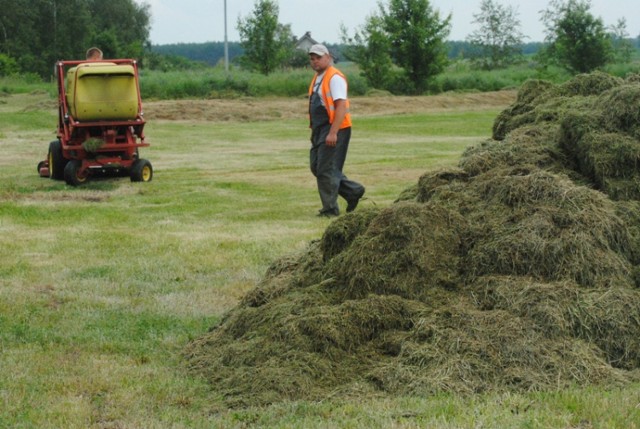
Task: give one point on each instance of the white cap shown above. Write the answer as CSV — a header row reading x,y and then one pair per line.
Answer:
x,y
319,50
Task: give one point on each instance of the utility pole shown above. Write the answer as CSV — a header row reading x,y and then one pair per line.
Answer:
x,y
226,42
55,28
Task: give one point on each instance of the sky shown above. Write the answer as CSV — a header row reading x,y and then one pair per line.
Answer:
x,y
197,21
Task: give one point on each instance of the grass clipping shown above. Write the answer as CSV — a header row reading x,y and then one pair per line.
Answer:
x,y
515,271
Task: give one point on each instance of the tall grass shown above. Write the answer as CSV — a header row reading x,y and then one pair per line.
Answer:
x,y
459,77
23,83
215,82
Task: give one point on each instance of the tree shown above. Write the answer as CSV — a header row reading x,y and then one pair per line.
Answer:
x,y
576,39
120,27
417,40
370,49
267,43
408,34
498,39
622,45
20,31
37,33
66,19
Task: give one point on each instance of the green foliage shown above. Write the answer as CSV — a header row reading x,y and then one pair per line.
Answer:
x,y
24,83
212,53
216,83
407,34
209,52
417,40
370,49
174,77
498,39
167,62
128,22
622,46
623,69
576,39
298,58
267,43
8,65
36,33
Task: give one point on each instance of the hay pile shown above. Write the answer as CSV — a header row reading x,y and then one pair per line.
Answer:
x,y
515,271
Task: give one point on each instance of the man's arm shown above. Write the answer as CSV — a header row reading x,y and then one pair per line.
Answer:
x,y
341,112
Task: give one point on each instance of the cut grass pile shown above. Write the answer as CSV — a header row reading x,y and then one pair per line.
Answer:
x,y
515,271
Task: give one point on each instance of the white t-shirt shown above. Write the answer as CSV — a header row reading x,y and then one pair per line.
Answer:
x,y
338,86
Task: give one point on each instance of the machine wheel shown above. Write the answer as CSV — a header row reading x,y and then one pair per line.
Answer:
x,y
141,171
72,174
57,162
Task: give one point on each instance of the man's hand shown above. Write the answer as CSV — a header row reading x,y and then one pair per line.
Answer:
x,y
332,138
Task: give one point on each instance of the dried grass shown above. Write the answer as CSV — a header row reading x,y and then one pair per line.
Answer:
x,y
516,271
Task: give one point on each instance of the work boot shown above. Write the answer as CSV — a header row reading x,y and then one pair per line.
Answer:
x,y
352,204
328,213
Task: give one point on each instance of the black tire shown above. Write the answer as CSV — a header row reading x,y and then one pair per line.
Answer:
x,y
57,162
72,173
40,165
141,171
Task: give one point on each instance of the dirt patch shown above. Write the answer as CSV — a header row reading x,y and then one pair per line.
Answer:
x,y
266,109
516,271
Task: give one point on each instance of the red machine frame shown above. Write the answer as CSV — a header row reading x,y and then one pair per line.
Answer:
x,y
118,151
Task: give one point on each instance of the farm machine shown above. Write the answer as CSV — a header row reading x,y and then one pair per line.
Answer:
x,y
100,123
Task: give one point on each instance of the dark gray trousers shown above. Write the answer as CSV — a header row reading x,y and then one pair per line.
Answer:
x,y
326,164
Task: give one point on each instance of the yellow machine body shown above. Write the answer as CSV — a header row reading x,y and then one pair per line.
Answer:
x,y
102,92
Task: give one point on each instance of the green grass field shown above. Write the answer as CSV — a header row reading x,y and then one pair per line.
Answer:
x,y
102,286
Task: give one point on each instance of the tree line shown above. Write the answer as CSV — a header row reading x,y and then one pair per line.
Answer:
x,y
209,53
34,34
173,55
402,46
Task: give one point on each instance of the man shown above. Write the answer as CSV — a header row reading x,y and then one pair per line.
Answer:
x,y
94,54
330,123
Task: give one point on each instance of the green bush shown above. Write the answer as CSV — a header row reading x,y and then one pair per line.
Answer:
x,y
8,65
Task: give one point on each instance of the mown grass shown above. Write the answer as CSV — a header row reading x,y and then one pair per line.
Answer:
x,y
102,286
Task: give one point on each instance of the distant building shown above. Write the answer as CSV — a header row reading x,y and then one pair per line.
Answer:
x,y
306,42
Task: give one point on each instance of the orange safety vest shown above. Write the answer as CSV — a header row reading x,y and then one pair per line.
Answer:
x,y
328,99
